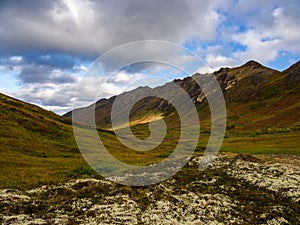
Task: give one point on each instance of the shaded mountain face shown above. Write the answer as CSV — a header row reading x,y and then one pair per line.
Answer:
x,y
292,74
242,87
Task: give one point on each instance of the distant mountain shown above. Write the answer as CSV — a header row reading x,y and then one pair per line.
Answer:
x,y
257,95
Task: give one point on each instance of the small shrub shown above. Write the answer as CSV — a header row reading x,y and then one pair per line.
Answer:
x,y
277,130
269,92
164,155
43,155
257,105
233,117
82,171
67,155
230,127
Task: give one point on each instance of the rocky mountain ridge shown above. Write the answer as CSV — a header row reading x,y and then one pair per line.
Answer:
x,y
251,82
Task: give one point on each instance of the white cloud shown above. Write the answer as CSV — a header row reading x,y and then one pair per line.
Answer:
x,y
89,89
45,57
205,69
286,28
269,28
80,68
16,59
272,29
124,77
59,97
215,61
87,27
259,46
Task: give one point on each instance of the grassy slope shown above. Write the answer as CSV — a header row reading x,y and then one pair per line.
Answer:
x,y
37,146
267,123
264,121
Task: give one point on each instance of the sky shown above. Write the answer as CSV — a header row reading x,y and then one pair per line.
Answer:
x,y
47,47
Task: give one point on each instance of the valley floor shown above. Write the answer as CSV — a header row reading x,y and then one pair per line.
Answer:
x,y
235,189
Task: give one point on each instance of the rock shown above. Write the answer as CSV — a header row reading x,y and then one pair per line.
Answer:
x,y
240,189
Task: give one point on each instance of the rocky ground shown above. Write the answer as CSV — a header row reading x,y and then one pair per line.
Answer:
x,y
239,189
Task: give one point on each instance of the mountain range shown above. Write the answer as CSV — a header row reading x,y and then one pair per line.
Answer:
x,y
256,97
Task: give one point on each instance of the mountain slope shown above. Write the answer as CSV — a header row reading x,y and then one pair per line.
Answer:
x,y
292,74
262,98
37,146
251,91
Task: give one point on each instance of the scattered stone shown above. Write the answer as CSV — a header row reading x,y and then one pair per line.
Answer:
x,y
239,189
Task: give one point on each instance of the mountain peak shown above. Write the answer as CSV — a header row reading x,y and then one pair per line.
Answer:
x,y
295,67
293,74
253,63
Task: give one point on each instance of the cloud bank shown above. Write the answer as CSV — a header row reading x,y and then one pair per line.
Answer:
x,y
46,46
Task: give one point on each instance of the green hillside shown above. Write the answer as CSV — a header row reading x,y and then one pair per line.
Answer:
x,y
36,146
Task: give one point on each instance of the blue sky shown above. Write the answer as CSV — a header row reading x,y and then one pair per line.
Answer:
x,y
47,46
